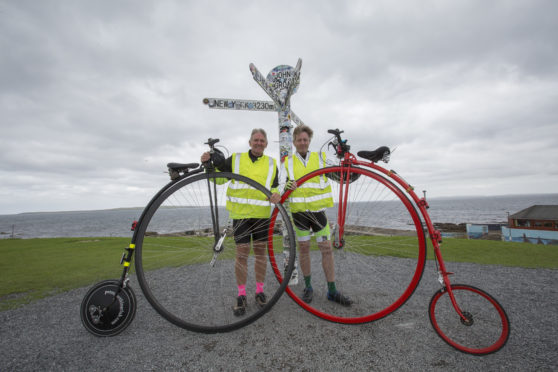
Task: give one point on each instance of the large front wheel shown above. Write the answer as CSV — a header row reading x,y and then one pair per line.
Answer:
x,y
485,327
187,262
375,252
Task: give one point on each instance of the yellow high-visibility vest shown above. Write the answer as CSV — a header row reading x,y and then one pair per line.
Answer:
x,y
244,201
313,195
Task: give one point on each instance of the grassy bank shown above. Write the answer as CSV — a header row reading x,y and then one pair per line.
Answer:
x,y
34,268
490,252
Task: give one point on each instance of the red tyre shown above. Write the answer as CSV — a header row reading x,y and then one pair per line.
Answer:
x,y
379,247
486,328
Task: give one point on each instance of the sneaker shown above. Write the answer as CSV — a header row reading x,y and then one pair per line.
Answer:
x,y
307,295
240,307
339,298
261,299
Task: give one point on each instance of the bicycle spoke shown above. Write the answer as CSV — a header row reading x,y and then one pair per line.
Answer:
x,y
186,258
382,253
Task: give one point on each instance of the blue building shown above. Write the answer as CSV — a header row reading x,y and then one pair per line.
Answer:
x,y
537,224
489,231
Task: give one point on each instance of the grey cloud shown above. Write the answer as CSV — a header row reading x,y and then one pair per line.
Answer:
x,y
112,91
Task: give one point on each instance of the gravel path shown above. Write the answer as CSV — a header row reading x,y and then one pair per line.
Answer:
x,y
48,335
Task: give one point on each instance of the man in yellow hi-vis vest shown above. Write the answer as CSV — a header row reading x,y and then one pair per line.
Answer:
x,y
308,204
250,214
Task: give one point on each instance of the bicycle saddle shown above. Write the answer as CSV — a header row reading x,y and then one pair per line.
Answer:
x,y
381,153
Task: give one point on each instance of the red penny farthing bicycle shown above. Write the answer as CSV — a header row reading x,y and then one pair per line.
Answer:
x,y
378,233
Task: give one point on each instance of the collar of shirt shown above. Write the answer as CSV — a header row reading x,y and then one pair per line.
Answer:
x,y
304,159
253,157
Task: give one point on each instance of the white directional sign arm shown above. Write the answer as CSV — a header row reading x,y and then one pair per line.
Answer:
x,y
294,81
295,118
247,104
239,104
262,82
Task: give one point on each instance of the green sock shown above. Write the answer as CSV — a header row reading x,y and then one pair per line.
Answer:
x,y
308,281
331,287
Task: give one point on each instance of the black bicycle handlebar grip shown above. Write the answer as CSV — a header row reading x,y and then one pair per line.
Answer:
x,y
335,131
212,141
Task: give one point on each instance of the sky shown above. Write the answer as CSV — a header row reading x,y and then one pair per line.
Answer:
x,y
96,97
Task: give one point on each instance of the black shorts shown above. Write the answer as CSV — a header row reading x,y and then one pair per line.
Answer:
x,y
250,228
310,220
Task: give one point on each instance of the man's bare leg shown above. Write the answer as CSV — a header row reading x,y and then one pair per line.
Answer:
x,y
260,266
327,260
241,263
304,259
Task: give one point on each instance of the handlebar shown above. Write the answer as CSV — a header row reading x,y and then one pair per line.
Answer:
x,y
339,144
211,142
216,156
336,133
341,148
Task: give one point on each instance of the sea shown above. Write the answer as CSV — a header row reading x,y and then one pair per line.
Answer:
x,y
118,222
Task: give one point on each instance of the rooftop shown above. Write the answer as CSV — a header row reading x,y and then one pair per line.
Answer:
x,y
537,212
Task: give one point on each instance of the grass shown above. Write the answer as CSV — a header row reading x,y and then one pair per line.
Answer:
x,y
490,252
486,252
35,268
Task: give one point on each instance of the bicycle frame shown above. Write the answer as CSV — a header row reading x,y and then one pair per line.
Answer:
x,y
348,161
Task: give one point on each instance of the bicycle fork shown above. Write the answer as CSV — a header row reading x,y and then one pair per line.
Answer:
x,y
122,282
339,229
436,239
219,238
443,278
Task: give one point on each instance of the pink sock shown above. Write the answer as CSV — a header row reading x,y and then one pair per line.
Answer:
x,y
242,290
259,287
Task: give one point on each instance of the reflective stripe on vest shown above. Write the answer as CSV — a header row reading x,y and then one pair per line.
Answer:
x,y
236,169
255,202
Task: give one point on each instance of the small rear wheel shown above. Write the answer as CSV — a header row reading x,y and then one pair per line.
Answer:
x,y
486,326
108,309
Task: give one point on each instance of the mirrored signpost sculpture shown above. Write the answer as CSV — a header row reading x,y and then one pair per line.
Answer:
x,y
280,84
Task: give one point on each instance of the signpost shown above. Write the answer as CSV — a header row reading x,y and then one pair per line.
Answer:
x,y
280,84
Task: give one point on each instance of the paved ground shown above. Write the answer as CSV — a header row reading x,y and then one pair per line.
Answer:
x,y
48,335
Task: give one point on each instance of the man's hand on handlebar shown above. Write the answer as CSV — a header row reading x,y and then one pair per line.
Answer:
x,y
206,156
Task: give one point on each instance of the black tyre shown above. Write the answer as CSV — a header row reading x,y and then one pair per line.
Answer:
x,y
186,255
108,309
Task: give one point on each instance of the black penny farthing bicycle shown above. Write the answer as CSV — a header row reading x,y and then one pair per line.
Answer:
x,y
185,257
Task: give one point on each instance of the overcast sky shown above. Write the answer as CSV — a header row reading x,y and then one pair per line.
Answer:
x,y
97,96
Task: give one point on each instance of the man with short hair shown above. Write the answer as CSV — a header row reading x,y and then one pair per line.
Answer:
x,y
250,216
308,205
